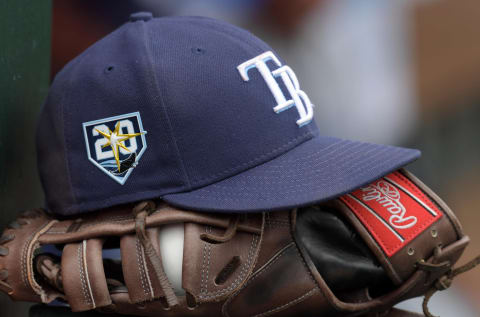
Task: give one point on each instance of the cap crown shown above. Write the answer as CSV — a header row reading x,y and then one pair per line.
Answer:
x,y
202,117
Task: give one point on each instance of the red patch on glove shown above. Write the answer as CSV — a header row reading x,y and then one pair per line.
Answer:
x,y
394,210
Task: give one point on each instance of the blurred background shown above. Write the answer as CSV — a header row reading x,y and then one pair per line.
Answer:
x,y
402,72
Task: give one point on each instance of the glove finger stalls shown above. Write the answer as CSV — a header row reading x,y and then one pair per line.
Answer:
x,y
138,274
83,275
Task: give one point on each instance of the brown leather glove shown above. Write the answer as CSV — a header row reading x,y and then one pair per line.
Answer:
x,y
359,254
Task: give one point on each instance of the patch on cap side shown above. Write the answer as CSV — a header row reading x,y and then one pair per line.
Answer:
x,y
115,144
394,210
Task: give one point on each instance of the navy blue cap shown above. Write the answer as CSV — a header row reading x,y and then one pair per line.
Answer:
x,y
199,113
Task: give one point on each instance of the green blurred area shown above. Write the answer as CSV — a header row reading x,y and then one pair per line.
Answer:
x,y
24,79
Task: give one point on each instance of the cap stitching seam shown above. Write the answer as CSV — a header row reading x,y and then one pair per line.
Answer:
x,y
158,91
274,175
312,175
254,160
327,181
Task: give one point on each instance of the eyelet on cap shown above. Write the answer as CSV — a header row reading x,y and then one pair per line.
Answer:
x,y
109,69
141,16
198,50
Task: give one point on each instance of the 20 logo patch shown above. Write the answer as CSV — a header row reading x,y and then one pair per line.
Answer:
x,y
116,144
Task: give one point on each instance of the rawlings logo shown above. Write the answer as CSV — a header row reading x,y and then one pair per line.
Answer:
x,y
382,208
389,197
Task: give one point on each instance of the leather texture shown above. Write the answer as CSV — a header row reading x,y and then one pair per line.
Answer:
x,y
317,260
44,311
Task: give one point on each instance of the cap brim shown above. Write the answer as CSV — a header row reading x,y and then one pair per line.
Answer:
x,y
317,170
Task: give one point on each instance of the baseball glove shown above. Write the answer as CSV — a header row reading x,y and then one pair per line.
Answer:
x,y
356,255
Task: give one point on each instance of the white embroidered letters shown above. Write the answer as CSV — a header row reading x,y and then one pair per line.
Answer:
x,y
299,98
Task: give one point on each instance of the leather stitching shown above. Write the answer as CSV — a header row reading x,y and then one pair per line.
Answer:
x,y
266,267
241,275
322,292
147,273
57,232
114,219
255,275
140,267
306,266
209,247
203,284
82,275
277,224
87,277
277,221
94,225
90,224
24,260
289,304
203,267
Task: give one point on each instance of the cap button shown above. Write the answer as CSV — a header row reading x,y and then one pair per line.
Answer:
x,y
141,16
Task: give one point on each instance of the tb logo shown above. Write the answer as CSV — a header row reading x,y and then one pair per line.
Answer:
x,y
299,98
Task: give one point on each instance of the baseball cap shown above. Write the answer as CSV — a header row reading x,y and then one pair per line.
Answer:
x,y
199,113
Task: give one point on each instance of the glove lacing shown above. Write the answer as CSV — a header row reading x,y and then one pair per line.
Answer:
x,y
227,235
141,211
444,281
